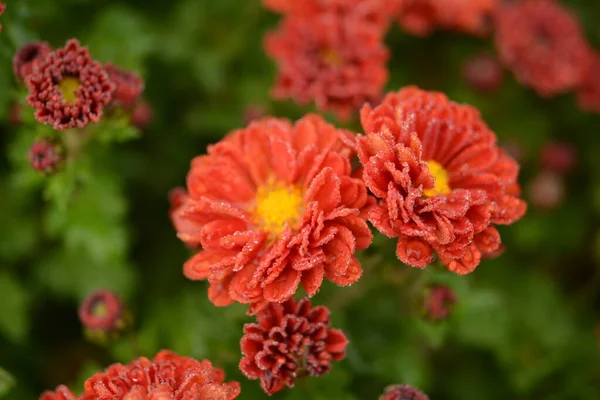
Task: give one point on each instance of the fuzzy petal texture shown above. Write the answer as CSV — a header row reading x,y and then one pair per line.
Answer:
x,y
441,180
290,339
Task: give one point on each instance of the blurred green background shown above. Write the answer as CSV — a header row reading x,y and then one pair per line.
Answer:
x,y
525,323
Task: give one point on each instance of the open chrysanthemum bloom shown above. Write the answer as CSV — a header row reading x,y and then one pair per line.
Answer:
x,y
273,206
337,60
441,180
168,376
69,89
289,341
422,17
543,44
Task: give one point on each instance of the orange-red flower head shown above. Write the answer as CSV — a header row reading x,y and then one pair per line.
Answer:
x,y
403,392
337,60
543,44
273,206
441,180
168,376
289,341
69,89
128,86
28,58
422,17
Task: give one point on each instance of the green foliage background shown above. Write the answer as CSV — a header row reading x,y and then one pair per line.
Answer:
x,y
524,327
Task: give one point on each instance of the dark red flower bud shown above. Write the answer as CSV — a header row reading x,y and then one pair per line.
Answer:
x,y
438,303
142,115
128,86
102,311
45,155
558,157
547,190
403,392
28,58
290,340
483,73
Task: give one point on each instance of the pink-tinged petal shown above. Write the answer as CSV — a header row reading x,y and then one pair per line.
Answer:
x,y
211,233
344,276
283,287
240,289
249,368
312,280
414,252
324,189
218,293
466,264
336,341
488,240
199,266
283,159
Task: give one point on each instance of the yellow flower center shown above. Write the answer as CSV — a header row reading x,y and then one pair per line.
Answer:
x,y
332,58
99,309
277,205
68,86
440,175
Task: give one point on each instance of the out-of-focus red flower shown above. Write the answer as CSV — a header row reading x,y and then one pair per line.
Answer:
x,y
28,58
142,114
2,9
128,86
588,93
62,393
45,155
422,17
376,12
336,60
290,340
438,303
559,157
168,376
274,206
441,180
543,44
483,73
14,114
69,89
403,392
102,310
547,190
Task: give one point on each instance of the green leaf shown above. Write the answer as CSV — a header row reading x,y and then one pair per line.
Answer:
x,y
14,308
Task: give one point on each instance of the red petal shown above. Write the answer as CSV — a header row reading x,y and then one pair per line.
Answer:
x,y
414,252
283,287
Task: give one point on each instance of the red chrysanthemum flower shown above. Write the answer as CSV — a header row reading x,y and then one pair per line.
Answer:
x,y
438,303
45,155
168,376
336,60
588,93
543,44
102,310
128,86
403,392
441,179
62,393
483,73
274,206
69,89
291,340
28,58
422,17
